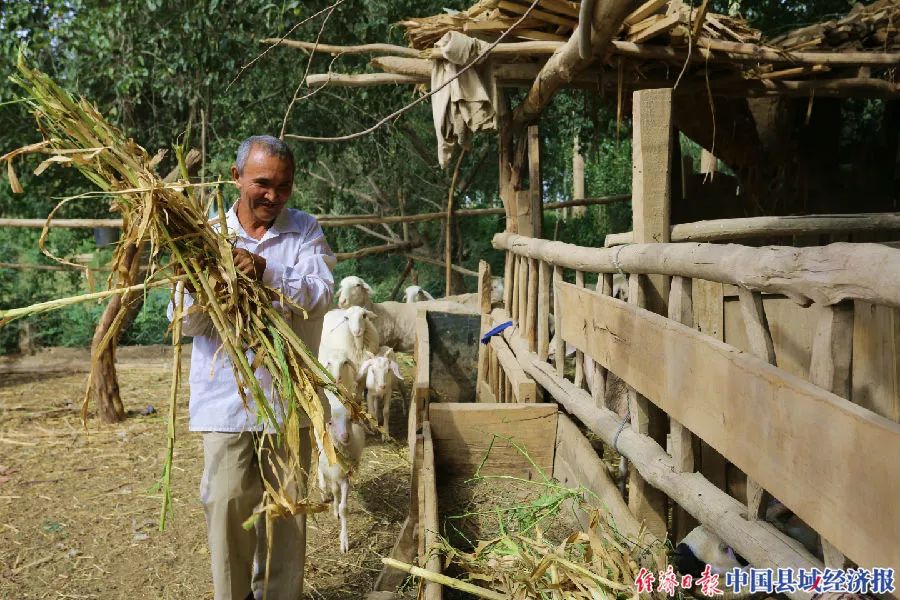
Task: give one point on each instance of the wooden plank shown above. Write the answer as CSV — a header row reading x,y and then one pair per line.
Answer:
x,y
759,543
645,10
531,305
598,385
484,295
464,432
538,14
535,184
762,424
791,326
579,355
830,369
682,443
485,393
876,359
576,464
543,315
559,349
422,385
433,591
709,316
650,210
761,346
663,25
522,386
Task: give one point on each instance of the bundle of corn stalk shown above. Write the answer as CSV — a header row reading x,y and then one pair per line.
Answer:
x,y
172,224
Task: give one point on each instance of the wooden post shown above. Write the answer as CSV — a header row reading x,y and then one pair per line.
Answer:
x,y
651,205
532,225
531,310
514,288
508,282
577,177
505,151
484,297
709,311
579,355
829,368
760,339
598,387
682,311
559,350
543,324
522,289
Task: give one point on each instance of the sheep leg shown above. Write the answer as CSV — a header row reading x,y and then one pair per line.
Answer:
x,y
345,536
386,417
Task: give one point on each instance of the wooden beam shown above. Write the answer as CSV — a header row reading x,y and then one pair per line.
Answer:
x,y
484,296
337,50
762,423
523,388
433,591
361,79
681,310
827,274
760,544
422,384
566,62
464,432
373,250
576,464
721,230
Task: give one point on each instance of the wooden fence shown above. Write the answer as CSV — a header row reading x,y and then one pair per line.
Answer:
x,y
780,361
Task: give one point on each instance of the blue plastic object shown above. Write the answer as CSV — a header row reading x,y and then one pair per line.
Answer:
x,y
495,331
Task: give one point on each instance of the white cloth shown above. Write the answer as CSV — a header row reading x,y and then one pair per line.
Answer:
x,y
298,263
466,105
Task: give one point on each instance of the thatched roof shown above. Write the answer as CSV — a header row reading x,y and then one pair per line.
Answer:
x,y
856,55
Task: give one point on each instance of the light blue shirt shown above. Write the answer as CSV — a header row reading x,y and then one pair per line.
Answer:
x,y
298,264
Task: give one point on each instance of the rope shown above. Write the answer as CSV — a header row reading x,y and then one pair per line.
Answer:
x,y
616,260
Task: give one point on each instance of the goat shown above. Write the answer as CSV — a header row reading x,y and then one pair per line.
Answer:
x,y
353,291
349,331
379,373
349,439
415,293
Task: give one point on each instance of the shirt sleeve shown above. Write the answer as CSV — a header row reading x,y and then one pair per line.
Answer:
x,y
194,322
307,281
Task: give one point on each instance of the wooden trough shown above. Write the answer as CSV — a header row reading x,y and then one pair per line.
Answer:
x,y
448,440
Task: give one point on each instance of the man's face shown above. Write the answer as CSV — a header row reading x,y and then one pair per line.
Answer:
x,y
265,185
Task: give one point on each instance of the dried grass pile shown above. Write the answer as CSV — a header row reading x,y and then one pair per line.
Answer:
x,y
171,223
525,539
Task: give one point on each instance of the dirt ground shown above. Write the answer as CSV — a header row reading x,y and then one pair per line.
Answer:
x,y
79,516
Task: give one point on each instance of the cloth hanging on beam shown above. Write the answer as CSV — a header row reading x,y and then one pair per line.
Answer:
x,y
466,105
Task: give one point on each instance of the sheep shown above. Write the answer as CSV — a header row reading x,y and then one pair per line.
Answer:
x,y
342,368
349,331
380,373
701,547
349,440
415,293
353,291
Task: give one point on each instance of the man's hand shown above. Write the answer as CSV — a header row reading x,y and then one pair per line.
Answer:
x,y
251,265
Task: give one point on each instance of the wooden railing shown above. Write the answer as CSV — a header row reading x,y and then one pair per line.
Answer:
x,y
795,431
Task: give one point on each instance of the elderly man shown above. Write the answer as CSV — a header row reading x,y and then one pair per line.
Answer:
x,y
286,250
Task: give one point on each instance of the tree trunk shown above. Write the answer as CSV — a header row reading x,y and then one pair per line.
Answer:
x,y
105,381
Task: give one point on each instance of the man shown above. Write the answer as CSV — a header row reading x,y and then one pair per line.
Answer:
x,y
286,250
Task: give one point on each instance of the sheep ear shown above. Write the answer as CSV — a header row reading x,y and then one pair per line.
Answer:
x,y
386,351
367,287
364,368
396,369
369,314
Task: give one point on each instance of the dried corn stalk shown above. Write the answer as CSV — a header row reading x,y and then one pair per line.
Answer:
x,y
173,225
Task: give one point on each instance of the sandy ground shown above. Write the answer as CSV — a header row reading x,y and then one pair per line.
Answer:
x,y
79,514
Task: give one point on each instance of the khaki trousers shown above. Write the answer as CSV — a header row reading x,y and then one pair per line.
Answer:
x,y
231,489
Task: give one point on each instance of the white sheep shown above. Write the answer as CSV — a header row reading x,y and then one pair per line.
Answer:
x,y
349,439
353,291
341,366
380,373
415,293
350,331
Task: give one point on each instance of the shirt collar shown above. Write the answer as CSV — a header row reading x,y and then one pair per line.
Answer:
x,y
283,224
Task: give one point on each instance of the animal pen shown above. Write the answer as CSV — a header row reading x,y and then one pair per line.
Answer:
x,y
750,370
